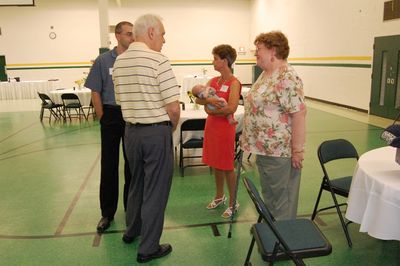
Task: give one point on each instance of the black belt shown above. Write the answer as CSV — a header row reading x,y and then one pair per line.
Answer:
x,y
164,123
110,106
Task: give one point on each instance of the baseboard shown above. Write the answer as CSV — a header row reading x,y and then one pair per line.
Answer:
x,y
338,104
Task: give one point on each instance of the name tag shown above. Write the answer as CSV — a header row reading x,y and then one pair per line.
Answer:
x,y
110,69
224,88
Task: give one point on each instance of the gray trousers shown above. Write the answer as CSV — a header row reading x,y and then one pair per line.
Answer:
x,y
149,151
280,185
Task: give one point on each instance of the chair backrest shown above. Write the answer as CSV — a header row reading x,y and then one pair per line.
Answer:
x,y
336,149
265,214
193,125
261,208
45,99
70,98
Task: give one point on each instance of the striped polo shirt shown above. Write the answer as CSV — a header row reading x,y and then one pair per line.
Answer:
x,y
144,83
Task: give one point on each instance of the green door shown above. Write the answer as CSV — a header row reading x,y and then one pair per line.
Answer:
x,y
3,74
385,88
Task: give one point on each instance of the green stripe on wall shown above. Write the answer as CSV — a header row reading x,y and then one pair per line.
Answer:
x,y
50,67
206,64
332,65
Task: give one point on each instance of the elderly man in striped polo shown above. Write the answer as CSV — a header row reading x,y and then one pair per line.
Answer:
x,y
147,90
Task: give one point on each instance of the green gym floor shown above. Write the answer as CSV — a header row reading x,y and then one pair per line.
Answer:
x,y
49,203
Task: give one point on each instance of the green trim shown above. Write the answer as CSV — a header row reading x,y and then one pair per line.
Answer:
x,y
333,65
246,64
191,64
208,64
35,68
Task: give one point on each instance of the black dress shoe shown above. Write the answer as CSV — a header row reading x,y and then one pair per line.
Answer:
x,y
103,224
163,250
128,239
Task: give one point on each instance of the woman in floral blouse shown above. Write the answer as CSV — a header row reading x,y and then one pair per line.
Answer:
x,y
274,125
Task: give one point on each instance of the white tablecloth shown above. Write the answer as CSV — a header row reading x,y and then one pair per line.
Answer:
x,y
189,82
26,89
374,199
84,95
191,112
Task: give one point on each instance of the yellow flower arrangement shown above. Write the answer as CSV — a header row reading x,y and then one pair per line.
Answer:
x,y
191,96
193,100
80,82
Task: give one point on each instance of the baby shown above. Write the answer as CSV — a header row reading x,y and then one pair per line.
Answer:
x,y
203,92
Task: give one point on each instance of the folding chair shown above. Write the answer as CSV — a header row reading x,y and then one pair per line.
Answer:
x,y
293,239
71,101
193,143
329,151
90,110
237,144
54,108
238,157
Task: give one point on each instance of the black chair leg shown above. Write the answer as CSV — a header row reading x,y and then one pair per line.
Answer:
x,y
181,161
247,262
248,158
41,114
53,113
316,204
61,115
346,232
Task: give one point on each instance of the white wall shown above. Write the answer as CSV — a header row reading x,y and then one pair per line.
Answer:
x,y
325,28
339,30
193,28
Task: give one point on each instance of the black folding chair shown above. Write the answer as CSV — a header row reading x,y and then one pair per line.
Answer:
x,y
90,110
54,108
328,151
237,144
238,157
293,239
71,102
193,143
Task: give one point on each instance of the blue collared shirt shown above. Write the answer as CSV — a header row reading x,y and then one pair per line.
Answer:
x,y
100,77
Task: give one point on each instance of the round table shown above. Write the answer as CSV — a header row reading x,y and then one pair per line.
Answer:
x,y
83,94
374,198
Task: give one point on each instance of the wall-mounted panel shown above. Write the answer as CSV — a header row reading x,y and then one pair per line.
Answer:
x,y
17,2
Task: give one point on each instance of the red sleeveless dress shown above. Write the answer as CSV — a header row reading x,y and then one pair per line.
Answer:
x,y
219,135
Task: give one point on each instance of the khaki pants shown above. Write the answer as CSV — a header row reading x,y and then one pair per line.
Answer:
x,y
280,185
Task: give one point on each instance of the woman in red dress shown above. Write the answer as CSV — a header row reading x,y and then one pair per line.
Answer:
x,y
219,134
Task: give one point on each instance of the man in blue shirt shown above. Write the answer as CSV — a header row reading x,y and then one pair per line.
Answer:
x,y
112,125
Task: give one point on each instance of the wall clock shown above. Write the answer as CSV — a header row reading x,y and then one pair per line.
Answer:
x,y
52,35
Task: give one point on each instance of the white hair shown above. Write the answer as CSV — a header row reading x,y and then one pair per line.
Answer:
x,y
144,22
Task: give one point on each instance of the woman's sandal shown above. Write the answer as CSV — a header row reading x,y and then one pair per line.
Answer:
x,y
228,212
216,202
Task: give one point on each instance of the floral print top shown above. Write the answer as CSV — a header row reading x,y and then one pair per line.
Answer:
x,y
267,123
